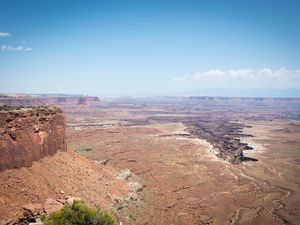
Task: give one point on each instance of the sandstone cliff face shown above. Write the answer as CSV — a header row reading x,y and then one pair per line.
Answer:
x,y
28,135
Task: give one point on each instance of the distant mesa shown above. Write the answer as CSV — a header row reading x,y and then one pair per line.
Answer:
x,y
44,99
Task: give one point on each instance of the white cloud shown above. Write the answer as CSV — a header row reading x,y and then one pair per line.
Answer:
x,y
11,48
296,73
265,72
240,73
218,75
198,76
4,34
282,72
279,73
214,73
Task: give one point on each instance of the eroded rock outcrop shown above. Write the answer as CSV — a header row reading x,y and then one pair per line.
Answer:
x,y
28,135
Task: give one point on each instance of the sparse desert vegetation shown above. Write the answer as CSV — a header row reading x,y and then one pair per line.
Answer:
x,y
80,213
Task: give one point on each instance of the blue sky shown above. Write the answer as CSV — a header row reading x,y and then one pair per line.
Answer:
x,y
149,47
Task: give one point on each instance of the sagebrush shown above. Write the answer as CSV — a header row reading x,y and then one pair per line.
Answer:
x,y
80,213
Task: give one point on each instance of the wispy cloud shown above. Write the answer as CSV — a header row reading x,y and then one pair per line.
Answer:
x,y
265,72
4,34
297,73
240,73
282,72
17,49
10,48
279,73
218,74
214,73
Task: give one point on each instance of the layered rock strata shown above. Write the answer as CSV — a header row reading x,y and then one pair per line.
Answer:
x,y
27,135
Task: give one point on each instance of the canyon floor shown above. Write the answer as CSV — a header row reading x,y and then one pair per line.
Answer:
x,y
173,161
185,179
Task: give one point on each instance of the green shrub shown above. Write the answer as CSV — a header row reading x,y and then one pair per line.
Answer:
x,y
79,213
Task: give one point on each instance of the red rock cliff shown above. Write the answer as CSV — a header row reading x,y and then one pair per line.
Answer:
x,y
28,135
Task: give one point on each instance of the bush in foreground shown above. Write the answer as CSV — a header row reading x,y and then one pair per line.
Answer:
x,y
79,213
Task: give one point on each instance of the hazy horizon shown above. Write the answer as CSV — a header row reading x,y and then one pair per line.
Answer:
x,y
127,48
235,93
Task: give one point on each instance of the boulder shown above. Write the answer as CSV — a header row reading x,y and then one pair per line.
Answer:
x,y
37,222
124,174
34,209
52,205
135,187
70,200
